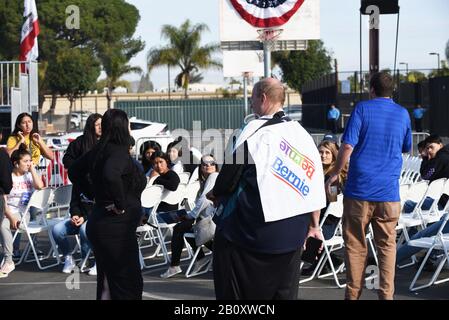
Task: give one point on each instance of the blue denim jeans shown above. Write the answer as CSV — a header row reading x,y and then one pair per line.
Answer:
x,y
66,228
329,230
406,251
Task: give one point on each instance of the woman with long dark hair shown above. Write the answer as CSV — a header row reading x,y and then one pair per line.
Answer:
x,y
146,151
117,184
80,206
25,133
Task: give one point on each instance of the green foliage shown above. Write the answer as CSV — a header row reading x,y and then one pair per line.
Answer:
x,y
10,27
102,22
416,76
299,67
73,73
115,57
185,51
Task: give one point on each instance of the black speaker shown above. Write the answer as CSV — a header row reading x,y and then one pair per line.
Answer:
x,y
385,6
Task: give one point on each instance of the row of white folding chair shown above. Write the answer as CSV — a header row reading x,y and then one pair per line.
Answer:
x,y
438,242
335,243
419,218
410,172
151,197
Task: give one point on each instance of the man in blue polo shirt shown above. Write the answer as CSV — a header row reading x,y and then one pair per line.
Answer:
x,y
378,132
332,118
418,114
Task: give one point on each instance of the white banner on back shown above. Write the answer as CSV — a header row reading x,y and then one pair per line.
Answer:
x,y
289,170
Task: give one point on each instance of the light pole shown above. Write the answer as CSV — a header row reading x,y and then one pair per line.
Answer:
x,y
438,55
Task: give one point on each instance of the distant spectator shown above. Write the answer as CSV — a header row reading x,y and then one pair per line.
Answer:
x,y
332,118
418,115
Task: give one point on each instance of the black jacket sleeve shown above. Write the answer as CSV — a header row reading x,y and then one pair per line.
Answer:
x,y
169,180
5,172
227,179
74,151
79,173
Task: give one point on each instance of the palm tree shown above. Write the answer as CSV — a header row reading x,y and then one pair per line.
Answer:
x,y
114,59
185,51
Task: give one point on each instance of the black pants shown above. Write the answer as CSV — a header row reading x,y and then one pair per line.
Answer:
x,y
240,274
332,125
113,239
418,125
177,241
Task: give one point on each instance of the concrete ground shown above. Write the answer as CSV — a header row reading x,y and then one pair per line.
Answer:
x,y
28,282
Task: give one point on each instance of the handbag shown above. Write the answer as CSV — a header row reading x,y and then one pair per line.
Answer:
x,y
204,230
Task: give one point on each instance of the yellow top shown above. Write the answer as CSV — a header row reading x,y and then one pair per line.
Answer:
x,y
32,147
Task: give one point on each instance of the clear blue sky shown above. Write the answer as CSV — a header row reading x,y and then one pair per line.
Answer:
x,y
424,28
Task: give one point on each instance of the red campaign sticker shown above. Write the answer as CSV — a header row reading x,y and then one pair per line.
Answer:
x,y
266,13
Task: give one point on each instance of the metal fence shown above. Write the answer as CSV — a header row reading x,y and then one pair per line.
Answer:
x,y
213,113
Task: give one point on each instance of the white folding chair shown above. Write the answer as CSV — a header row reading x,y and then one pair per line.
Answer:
x,y
194,176
437,242
41,200
150,198
184,177
333,244
190,270
444,192
415,194
191,194
434,191
61,199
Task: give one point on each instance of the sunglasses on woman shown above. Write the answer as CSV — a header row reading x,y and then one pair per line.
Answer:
x,y
208,163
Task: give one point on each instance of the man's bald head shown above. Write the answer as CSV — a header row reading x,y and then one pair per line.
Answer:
x,y
273,89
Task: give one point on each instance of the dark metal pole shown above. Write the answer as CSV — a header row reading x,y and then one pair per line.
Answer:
x,y
336,82
373,51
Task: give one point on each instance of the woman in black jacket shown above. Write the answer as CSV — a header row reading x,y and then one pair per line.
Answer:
x,y
117,186
164,177
80,207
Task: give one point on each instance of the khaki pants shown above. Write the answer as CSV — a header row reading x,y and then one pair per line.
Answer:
x,y
383,217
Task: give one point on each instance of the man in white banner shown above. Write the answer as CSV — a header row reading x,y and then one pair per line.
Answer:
x,y
30,30
270,202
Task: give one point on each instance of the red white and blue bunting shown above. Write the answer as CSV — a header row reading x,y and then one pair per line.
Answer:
x,y
266,13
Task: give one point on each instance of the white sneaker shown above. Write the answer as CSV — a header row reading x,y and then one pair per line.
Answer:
x,y
7,268
93,271
69,264
171,271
